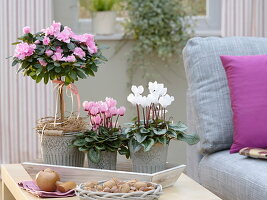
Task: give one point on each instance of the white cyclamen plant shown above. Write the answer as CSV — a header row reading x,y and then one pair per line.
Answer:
x,y
151,125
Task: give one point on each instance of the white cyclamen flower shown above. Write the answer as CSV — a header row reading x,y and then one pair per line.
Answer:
x,y
166,100
137,90
132,99
153,98
157,88
145,102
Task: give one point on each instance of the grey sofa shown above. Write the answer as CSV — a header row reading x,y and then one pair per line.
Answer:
x,y
209,114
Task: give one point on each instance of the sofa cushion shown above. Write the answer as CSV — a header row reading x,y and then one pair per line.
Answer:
x,y
208,89
247,80
234,177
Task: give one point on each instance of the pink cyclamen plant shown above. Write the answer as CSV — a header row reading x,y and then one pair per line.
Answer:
x,y
103,113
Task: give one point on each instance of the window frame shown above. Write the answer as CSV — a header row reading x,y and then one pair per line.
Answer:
x,y
209,25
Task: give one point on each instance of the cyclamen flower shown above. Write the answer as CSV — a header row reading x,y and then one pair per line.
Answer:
x,y
97,120
65,35
49,52
166,100
121,111
113,111
23,50
88,105
103,107
111,102
46,41
37,42
79,52
26,29
137,90
42,62
94,111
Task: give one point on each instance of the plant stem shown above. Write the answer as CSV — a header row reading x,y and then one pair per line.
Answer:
x,y
61,102
144,116
116,121
138,114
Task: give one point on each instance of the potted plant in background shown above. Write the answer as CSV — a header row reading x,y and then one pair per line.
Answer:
x,y
59,55
103,16
160,30
104,139
150,133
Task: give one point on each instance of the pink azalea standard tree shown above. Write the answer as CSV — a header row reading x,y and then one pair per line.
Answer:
x,y
57,54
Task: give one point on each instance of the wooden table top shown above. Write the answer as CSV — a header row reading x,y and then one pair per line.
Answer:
x,y
184,189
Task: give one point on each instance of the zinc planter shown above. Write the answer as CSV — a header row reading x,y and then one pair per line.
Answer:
x,y
104,22
56,150
151,161
108,161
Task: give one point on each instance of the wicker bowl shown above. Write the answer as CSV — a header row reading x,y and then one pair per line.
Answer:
x,y
90,195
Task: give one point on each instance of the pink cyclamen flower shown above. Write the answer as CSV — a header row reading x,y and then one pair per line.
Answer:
x,y
111,102
103,107
108,114
24,50
65,35
70,58
57,56
26,29
97,120
42,62
49,52
121,111
113,111
87,105
79,52
46,41
94,111
37,42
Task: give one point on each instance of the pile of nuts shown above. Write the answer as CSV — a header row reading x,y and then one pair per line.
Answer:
x,y
116,186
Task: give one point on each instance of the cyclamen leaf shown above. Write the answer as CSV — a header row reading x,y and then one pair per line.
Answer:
x,y
140,137
188,138
94,155
148,144
159,132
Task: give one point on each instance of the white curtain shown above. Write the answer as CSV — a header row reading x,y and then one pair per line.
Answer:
x,y
244,18
22,101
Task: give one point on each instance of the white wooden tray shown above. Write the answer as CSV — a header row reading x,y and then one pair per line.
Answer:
x,y
80,174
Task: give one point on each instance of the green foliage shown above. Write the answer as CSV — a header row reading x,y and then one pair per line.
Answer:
x,y
103,5
160,28
157,132
69,72
105,139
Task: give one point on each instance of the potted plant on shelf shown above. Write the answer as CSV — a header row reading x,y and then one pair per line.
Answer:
x,y
103,16
104,139
59,55
150,133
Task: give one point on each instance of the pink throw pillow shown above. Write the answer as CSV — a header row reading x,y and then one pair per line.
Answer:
x,y
247,80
